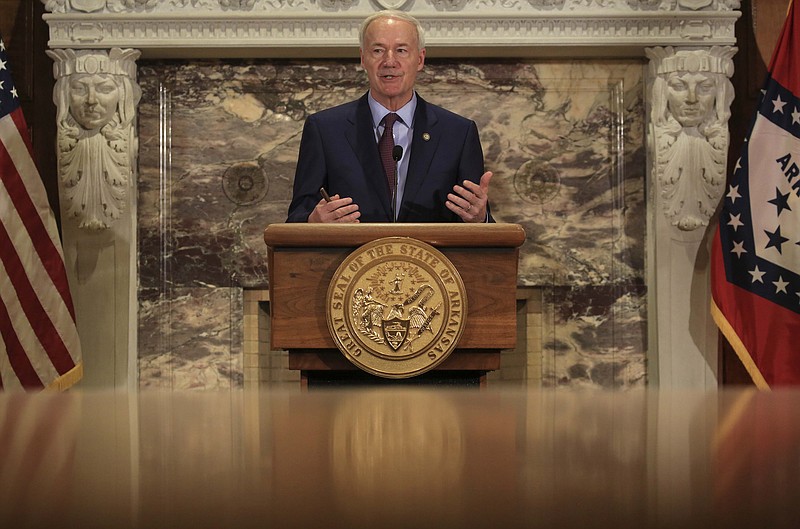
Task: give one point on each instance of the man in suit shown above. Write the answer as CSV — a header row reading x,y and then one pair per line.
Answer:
x,y
439,176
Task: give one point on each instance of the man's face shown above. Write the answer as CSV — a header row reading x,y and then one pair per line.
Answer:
x,y
690,97
391,58
93,100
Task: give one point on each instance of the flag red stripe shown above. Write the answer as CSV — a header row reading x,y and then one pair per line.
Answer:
x,y
19,361
763,333
38,317
48,253
40,347
22,128
766,341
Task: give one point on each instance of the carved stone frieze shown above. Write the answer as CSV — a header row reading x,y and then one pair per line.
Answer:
x,y
96,96
690,105
88,5
547,4
392,4
167,6
449,5
337,4
235,28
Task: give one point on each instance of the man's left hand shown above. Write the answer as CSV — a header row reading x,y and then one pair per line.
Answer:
x,y
471,200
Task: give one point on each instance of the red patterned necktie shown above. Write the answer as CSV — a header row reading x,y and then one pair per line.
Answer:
x,y
385,146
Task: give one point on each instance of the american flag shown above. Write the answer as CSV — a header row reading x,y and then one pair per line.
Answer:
x,y
39,345
755,268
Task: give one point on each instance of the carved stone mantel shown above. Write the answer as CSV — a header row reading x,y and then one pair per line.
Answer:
x,y
657,29
215,28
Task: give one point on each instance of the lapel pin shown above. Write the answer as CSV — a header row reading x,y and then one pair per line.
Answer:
x,y
426,136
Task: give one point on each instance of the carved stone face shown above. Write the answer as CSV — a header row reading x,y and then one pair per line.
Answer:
x,y
691,97
93,99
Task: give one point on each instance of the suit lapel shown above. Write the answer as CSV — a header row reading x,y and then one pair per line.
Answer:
x,y
423,147
361,137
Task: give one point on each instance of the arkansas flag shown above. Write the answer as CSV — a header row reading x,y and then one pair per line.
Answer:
x,y
39,346
755,264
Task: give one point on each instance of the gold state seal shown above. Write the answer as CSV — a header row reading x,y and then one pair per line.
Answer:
x,y
396,307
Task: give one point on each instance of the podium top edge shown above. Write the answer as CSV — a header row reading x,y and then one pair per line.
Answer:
x,y
491,235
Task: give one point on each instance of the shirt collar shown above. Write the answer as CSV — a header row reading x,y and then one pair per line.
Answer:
x,y
406,112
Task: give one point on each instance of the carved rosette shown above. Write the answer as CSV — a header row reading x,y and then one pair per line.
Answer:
x,y
96,97
691,96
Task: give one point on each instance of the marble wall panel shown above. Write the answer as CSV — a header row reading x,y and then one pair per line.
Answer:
x,y
594,336
219,140
191,339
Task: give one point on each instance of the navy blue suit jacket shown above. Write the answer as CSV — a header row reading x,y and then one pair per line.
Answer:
x,y
338,151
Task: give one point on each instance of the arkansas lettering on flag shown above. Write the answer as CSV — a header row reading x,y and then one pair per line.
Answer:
x,y
755,266
39,346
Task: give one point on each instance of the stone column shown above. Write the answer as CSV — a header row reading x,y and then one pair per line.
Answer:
x,y
690,95
96,97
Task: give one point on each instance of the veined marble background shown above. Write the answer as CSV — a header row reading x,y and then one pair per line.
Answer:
x,y
218,147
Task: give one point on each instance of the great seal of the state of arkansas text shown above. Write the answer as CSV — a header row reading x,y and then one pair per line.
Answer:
x,y
396,307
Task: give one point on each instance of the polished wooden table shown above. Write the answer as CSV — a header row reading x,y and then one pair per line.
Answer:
x,y
400,458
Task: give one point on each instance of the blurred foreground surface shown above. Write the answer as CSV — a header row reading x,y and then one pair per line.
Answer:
x,y
400,458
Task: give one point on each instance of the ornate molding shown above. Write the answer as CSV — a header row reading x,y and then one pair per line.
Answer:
x,y
96,96
691,96
162,6
233,28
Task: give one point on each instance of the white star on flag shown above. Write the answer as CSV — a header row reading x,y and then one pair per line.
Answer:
x,y
757,275
780,285
735,221
733,193
779,104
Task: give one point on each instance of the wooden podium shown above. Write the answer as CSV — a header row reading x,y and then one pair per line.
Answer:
x,y
303,259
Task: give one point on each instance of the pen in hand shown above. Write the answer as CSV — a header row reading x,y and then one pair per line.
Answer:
x,y
325,194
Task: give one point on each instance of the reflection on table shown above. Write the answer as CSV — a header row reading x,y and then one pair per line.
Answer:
x,y
400,458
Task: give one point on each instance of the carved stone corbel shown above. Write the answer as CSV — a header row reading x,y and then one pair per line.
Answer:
x,y
691,96
96,97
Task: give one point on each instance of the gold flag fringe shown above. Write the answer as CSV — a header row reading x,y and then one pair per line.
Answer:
x,y
741,351
68,379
